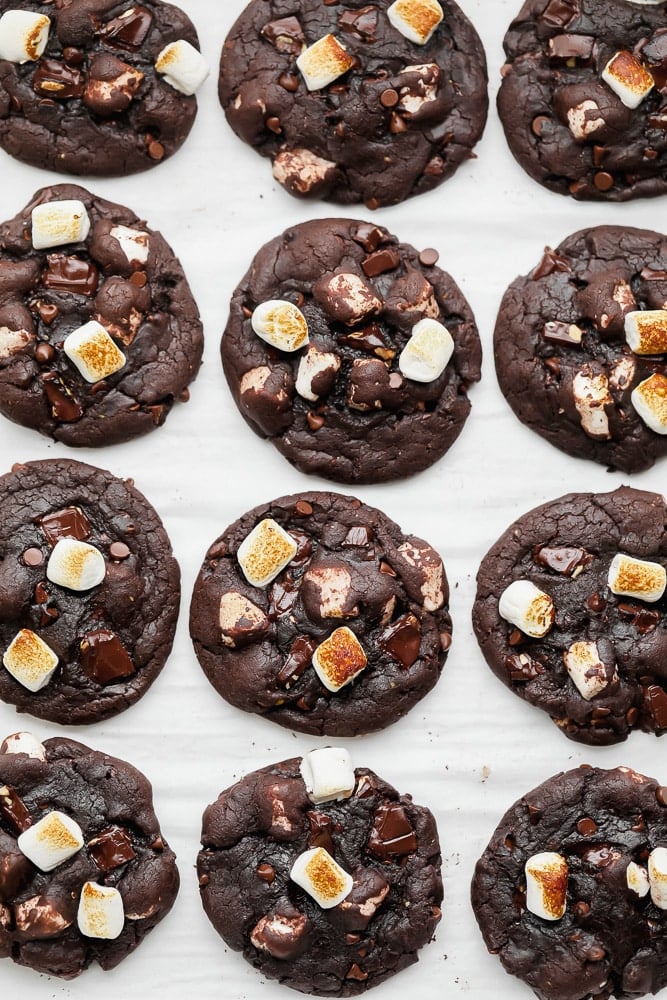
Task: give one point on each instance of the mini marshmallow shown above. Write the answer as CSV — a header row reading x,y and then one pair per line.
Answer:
x,y
182,66
628,78
339,659
101,913
280,324
328,774
23,35
29,660
646,331
75,565
630,577
52,840
637,879
649,399
93,352
415,19
657,877
427,353
321,877
23,742
55,223
586,669
529,608
133,243
546,885
323,62
312,364
265,552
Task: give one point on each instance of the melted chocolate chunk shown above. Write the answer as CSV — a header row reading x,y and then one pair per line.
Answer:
x,y
392,836
14,810
129,30
71,522
104,658
70,274
562,559
111,848
402,640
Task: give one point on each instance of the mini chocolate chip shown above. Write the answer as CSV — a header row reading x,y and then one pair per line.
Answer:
x,y
47,312
304,508
539,124
44,354
266,872
428,257
33,557
586,826
74,57
119,550
315,421
516,637
155,150
138,279
581,908
603,181
389,98
273,124
289,82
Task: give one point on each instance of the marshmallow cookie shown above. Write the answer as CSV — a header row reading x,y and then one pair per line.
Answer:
x,y
571,610
317,612
355,103
570,892
96,87
89,592
581,346
85,872
351,352
583,96
99,333
322,875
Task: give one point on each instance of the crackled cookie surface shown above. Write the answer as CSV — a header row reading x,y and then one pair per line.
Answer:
x,y
322,875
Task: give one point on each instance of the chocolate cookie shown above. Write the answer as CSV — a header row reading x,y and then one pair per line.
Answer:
x,y
323,876
351,352
89,592
571,891
570,612
581,345
355,103
99,333
317,612
96,87
583,96
85,872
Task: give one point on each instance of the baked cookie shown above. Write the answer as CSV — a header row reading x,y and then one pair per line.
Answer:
x,y
85,872
571,891
96,87
355,103
570,612
317,612
99,333
322,875
89,592
351,352
583,96
581,346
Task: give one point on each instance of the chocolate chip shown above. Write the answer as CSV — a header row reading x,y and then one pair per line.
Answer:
x,y
428,257
304,508
539,125
356,973
661,795
138,279
155,149
389,98
603,181
315,421
119,550
33,557
266,872
273,124
586,826
523,668
47,313
289,82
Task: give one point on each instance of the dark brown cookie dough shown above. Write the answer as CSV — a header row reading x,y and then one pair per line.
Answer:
x,y
353,569
609,829
562,358
617,641
93,103
253,834
143,302
111,639
361,293
565,124
122,850
397,118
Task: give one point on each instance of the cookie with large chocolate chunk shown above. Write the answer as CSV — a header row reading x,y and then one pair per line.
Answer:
x,y
96,87
571,890
581,346
99,332
571,609
356,103
89,592
85,871
351,352
319,613
322,875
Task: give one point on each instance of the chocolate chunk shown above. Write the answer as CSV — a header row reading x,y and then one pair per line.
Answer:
x,y
284,934
65,408
286,34
104,658
58,80
71,522
111,848
70,274
129,30
402,639
380,262
321,827
562,559
299,657
392,836
362,22
13,809
656,704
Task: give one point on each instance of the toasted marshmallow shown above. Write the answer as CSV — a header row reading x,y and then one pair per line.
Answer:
x,y
427,353
23,35
628,78
328,774
323,62
529,608
93,352
637,879
657,877
591,395
55,223
339,659
280,324
23,743
546,885
75,565
265,552
182,66
646,331
321,877
630,577
101,913
586,669
649,399
415,19
133,243
50,841
29,660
